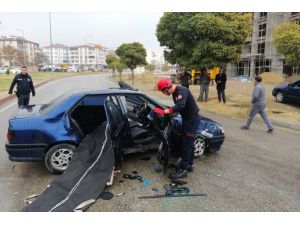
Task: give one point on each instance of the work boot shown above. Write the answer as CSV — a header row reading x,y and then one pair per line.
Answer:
x,y
179,174
190,169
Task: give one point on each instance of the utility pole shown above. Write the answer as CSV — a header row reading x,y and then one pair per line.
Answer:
x,y
51,47
24,49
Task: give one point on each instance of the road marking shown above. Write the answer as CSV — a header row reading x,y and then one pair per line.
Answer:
x,y
7,107
15,102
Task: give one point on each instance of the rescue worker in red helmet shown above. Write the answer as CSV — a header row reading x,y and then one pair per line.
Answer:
x,y
186,105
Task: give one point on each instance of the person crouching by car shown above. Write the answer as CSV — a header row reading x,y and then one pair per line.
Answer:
x,y
184,104
24,87
221,79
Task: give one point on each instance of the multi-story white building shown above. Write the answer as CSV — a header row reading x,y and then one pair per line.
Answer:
x,y
30,49
259,53
60,53
82,55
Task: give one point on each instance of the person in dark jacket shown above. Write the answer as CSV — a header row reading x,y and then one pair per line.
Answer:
x,y
24,87
185,78
204,85
221,79
184,104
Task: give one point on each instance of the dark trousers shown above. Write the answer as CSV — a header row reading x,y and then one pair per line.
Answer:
x,y
221,94
23,100
188,139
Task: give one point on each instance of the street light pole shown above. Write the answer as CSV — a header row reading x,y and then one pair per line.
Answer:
x,y
24,52
51,58
86,37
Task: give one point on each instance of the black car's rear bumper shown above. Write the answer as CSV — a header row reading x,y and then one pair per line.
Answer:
x,y
26,152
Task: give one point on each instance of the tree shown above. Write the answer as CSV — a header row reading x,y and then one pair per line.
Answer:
x,y
12,55
40,59
120,67
203,39
150,67
132,55
286,38
112,62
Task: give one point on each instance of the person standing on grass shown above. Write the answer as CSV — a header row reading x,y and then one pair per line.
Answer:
x,y
24,87
204,85
258,105
221,79
185,78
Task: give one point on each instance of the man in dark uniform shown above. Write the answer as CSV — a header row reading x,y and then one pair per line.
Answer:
x,y
185,78
221,79
24,87
184,104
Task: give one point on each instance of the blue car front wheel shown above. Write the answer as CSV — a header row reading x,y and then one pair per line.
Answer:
x,y
58,157
200,146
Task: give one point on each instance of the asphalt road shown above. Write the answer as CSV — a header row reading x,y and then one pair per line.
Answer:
x,y
254,171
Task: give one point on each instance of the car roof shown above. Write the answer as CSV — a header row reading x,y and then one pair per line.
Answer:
x,y
83,92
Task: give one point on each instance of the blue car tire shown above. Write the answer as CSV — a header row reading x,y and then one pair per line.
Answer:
x,y
58,157
200,146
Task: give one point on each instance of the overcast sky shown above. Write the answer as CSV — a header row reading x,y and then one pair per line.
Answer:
x,y
108,29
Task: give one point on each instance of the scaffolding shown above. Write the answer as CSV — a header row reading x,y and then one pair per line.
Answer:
x,y
259,53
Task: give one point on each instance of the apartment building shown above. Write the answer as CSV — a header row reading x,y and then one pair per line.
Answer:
x,y
30,49
82,55
259,53
60,53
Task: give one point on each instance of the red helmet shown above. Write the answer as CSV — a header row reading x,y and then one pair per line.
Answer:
x,y
163,84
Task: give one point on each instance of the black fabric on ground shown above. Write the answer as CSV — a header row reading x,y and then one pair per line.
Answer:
x,y
84,179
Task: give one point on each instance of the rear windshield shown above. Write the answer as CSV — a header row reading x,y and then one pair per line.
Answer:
x,y
55,102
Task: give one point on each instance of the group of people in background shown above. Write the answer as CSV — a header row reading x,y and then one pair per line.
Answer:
x,y
205,81
258,96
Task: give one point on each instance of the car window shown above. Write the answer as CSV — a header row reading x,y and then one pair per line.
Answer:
x,y
94,100
51,105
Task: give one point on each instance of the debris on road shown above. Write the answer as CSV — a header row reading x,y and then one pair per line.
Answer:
x,y
172,196
13,168
157,167
106,195
146,182
154,189
179,182
132,177
120,194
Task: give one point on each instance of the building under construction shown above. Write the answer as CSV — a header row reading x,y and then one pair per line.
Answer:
x,y
259,53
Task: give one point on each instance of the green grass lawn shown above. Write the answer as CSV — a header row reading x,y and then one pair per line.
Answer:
x,y
5,80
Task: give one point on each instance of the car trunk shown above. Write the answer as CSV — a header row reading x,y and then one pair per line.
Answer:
x,y
27,111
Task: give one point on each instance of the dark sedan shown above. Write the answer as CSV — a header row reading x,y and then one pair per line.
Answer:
x,y
287,92
51,132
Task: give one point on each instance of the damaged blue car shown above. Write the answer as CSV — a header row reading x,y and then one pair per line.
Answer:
x,y
51,132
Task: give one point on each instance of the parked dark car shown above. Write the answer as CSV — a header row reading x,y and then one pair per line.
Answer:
x,y
288,92
51,132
